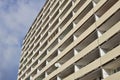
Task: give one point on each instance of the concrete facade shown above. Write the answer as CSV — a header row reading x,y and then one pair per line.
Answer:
x,y
73,40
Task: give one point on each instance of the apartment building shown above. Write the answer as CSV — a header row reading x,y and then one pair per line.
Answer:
x,y
73,40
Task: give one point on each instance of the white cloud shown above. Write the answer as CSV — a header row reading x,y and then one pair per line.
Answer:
x,y
16,16
0,76
13,16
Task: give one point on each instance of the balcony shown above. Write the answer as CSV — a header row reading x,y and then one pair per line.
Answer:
x,y
43,38
89,39
81,2
64,3
66,72
34,64
56,6
54,25
66,43
51,69
84,12
66,31
43,55
54,16
53,35
52,56
43,46
87,59
65,58
110,44
94,75
85,26
105,7
109,22
65,10
111,67
34,73
53,45
41,77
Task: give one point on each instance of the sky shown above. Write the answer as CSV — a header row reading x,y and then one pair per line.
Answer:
x,y
16,17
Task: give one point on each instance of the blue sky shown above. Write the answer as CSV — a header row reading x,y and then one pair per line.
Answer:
x,y
16,16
